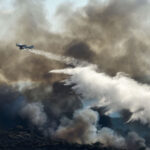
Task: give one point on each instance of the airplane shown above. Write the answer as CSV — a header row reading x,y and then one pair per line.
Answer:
x,y
23,46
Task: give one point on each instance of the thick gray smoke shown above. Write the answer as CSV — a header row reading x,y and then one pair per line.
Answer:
x,y
83,129
135,142
35,112
29,26
117,32
112,34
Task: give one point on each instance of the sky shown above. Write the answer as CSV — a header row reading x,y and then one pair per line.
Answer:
x,y
51,7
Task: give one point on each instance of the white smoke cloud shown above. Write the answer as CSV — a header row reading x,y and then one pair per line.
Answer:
x,y
23,85
108,137
116,93
35,113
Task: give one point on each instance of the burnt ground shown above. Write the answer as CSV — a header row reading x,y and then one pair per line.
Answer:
x,y
23,139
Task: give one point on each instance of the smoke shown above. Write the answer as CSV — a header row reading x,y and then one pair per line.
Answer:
x,y
80,50
83,129
116,31
35,112
116,93
110,138
29,26
135,142
112,34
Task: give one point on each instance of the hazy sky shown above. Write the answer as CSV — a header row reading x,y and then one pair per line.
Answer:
x,y
50,5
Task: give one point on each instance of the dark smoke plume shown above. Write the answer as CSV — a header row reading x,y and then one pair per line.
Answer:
x,y
30,26
116,32
113,34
